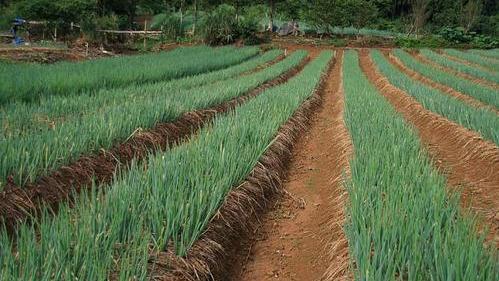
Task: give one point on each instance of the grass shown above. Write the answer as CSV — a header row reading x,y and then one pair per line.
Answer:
x,y
482,121
483,94
30,82
402,224
461,67
34,155
167,202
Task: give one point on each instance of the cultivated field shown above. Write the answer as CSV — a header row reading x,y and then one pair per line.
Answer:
x,y
298,163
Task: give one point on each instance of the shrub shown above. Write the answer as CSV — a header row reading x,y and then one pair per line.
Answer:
x,y
172,27
92,23
220,26
428,41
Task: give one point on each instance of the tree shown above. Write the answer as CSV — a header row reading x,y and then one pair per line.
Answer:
x,y
420,14
326,14
471,12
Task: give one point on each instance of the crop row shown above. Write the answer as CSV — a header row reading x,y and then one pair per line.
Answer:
x,y
24,118
483,94
487,53
167,202
480,120
402,223
461,67
473,58
27,82
31,156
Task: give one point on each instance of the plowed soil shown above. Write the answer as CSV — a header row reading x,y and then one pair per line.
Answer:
x,y
470,162
302,238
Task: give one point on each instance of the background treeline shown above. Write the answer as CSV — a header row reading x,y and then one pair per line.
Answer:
x,y
455,19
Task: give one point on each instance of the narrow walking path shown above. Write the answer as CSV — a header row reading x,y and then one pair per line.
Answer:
x,y
469,162
302,238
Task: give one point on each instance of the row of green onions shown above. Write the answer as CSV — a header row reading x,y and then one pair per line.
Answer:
x,y
31,156
481,93
473,58
483,121
402,224
166,202
461,67
22,118
29,82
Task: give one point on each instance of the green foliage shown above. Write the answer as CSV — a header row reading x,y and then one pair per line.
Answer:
x,y
114,119
402,223
146,208
220,26
458,35
92,23
172,27
480,120
326,14
427,41
483,94
338,42
224,26
474,58
68,78
247,30
461,67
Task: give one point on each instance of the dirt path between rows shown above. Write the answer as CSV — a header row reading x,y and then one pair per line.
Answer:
x,y
441,87
302,237
473,79
469,162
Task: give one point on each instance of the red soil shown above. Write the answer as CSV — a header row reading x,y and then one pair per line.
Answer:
x,y
302,238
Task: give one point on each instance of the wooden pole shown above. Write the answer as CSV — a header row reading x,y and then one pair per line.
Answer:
x,y
145,34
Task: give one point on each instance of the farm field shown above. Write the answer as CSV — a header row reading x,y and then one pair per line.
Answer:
x,y
234,163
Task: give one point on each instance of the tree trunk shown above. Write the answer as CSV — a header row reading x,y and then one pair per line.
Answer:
x,y
131,12
271,15
195,17
181,12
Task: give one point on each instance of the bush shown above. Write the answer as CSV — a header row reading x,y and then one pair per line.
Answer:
x,y
459,37
456,35
92,23
429,41
172,27
220,26
247,30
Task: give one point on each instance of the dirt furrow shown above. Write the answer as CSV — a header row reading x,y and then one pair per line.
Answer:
x,y
470,162
216,252
473,79
302,238
20,203
441,87
263,66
